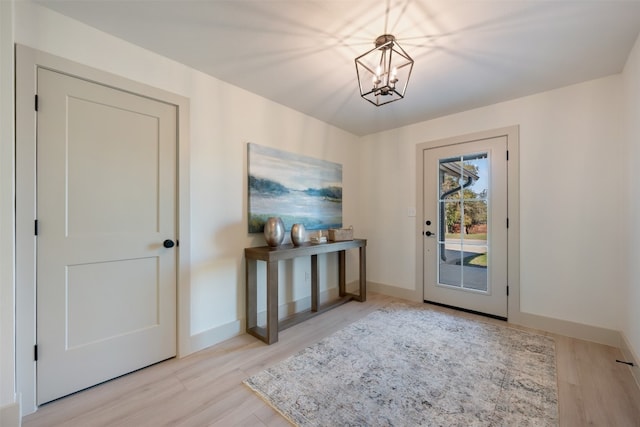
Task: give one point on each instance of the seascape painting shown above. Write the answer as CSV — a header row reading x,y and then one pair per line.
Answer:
x,y
296,188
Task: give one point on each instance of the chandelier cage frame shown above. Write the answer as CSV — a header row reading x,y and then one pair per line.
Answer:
x,y
384,71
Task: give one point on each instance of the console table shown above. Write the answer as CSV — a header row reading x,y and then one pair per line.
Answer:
x,y
272,255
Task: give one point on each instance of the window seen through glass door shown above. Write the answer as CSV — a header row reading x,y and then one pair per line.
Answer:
x,y
463,247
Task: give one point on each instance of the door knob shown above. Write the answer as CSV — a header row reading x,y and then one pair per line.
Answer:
x,y
168,243
429,234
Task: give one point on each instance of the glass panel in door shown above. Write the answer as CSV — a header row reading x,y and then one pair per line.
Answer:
x,y
462,234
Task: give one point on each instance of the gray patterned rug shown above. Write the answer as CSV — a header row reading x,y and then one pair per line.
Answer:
x,y
411,366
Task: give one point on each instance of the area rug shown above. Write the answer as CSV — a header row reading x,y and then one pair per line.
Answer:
x,y
407,365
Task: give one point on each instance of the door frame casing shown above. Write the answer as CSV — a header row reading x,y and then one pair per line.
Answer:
x,y
512,134
28,61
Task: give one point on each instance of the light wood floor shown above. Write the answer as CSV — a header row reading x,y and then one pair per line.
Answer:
x,y
205,389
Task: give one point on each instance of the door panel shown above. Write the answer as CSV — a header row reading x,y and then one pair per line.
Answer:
x,y
121,207
465,247
106,200
94,294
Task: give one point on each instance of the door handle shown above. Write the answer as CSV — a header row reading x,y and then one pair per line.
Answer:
x,y
429,234
168,243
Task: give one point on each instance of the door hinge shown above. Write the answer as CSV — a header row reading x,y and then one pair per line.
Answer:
x,y
36,103
507,291
35,227
35,352
507,155
507,222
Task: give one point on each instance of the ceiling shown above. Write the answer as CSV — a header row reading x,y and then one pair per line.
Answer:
x,y
300,53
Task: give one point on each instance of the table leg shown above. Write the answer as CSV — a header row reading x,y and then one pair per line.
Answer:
x,y
342,286
363,274
252,293
315,289
272,302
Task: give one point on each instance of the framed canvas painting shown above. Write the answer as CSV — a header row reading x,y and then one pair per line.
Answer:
x,y
298,189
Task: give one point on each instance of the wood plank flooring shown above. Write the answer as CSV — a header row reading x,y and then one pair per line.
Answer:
x,y
205,389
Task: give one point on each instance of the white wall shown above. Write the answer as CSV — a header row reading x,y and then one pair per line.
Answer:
x,y
631,89
570,176
7,320
223,119
572,240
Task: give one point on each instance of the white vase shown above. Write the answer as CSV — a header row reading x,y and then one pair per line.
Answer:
x,y
274,231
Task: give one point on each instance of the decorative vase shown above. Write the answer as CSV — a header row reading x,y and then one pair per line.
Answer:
x,y
274,231
297,234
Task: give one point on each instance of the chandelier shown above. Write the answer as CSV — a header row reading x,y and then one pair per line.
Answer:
x,y
384,71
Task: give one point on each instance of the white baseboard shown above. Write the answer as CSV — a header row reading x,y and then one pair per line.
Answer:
x,y
630,356
562,327
10,415
394,291
221,333
213,336
581,331
292,307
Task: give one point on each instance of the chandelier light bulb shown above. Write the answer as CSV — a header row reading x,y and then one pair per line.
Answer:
x,y
376,77
394,78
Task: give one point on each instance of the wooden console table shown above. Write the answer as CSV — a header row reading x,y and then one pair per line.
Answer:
x,y
272,256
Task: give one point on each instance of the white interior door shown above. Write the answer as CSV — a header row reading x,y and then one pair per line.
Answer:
x,y
106,202
465,226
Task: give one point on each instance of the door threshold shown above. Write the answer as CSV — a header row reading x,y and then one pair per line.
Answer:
x,y
479,313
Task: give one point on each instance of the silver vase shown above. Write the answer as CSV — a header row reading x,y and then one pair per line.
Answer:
x,y
297,234
274,231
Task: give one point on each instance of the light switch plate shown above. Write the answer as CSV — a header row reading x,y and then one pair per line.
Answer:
x,y
411,212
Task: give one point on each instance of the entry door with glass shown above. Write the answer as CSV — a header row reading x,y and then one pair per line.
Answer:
x,y
465,226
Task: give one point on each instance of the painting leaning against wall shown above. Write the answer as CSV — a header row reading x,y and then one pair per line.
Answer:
x,y
296,188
